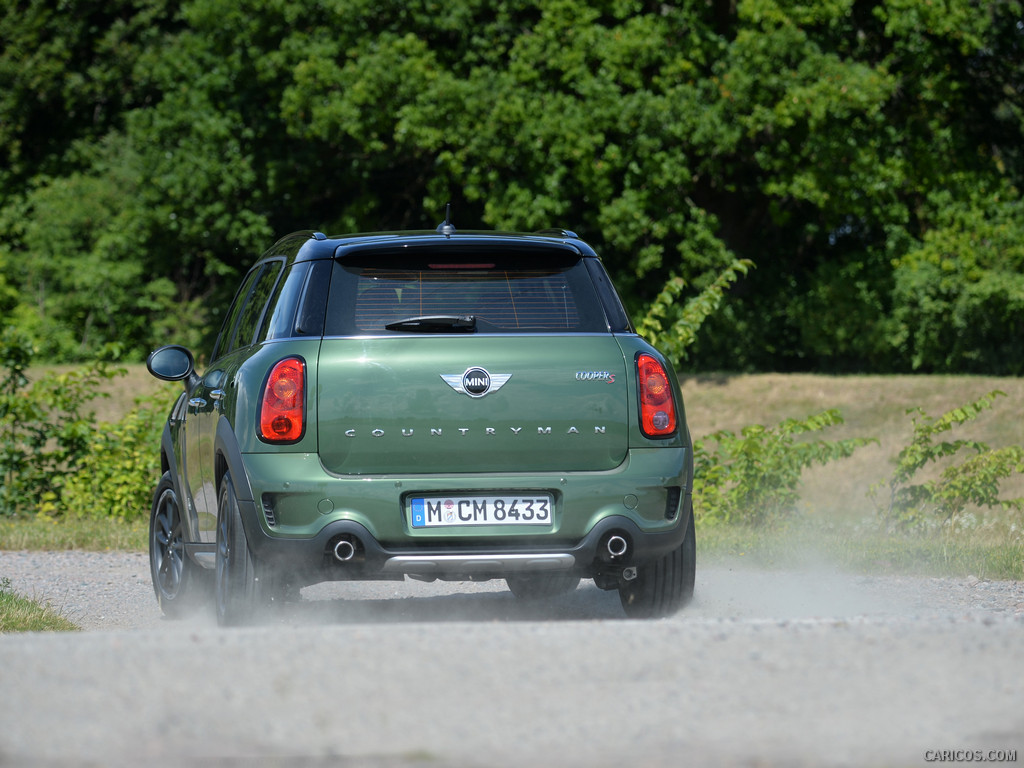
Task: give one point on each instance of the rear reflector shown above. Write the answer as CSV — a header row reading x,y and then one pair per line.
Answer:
x,y
657,406
283,403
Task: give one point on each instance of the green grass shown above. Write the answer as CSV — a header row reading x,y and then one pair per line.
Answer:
x,y
20,615
50,534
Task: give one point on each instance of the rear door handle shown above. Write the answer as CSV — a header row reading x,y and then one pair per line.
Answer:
x,y
197,403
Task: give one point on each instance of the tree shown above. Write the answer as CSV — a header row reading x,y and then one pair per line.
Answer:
x,y
833,144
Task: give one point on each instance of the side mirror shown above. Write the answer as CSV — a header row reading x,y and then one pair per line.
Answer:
x,y
171,363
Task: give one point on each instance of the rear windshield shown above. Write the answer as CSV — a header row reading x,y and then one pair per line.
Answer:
x,y
503,295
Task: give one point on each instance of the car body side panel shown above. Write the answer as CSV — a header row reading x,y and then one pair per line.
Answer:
x,y
170,446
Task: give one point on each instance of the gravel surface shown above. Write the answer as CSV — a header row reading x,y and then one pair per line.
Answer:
x,y
95,590
766,669
113,590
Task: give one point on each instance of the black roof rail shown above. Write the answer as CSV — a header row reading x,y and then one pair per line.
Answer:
x,y
557,232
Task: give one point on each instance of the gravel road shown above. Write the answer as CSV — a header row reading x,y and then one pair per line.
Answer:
x,y
766,668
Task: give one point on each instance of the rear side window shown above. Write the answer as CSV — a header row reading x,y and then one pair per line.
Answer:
x,y
223,345
247,310
504,295
255,305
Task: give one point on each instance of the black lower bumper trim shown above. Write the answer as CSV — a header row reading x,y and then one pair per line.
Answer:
x,y
312,560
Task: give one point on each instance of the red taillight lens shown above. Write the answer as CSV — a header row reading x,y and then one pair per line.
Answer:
x,y
657,406
283,405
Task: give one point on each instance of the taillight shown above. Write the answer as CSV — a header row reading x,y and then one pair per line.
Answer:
x,y
283,404
657,406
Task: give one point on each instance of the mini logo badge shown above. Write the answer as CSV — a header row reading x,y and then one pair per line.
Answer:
x,y
476,382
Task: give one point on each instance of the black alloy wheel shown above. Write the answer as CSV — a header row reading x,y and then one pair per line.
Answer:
x,y
235,583
177,581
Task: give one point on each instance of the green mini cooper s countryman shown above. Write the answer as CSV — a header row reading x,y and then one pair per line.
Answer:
x,y
432,405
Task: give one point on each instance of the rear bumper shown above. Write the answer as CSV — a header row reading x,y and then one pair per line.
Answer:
x,y
313,560
300,515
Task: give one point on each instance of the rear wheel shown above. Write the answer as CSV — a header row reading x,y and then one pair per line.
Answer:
x,y
179,584
236,583
664,586
539,586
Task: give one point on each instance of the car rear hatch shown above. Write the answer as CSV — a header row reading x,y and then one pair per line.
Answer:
x,y
471,404
471,356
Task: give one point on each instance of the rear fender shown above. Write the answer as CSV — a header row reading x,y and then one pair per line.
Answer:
x,y
229,459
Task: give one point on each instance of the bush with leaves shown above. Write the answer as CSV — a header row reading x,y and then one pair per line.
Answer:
x,y
46,425
115,478
909,503
753,478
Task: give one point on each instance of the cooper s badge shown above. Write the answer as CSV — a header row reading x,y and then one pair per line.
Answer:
x,y
476,382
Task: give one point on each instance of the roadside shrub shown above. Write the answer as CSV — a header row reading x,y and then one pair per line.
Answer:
x,y
115,478
55,458
905,502
754,477
46,427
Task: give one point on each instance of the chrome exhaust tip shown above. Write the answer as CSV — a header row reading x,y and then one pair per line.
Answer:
x,y
344,550
616,545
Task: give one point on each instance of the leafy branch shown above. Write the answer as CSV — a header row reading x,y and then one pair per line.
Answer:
x,y
672,328
974,481
754,477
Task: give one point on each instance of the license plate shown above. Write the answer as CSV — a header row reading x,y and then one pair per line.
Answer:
x,y
438,511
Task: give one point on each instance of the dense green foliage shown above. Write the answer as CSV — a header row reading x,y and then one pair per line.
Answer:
x,y
115,479
56,458
866,155
46,427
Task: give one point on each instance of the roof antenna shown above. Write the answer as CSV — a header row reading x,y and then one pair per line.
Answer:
x,y
446,227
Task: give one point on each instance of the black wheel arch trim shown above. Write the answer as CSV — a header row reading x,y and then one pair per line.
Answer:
x,y
170,463
225,448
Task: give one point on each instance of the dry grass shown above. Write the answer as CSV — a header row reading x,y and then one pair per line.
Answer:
x,y
121,392
872,406
50,534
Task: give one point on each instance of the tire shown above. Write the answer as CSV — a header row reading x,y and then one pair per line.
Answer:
x,y
540,586
664,586
180,585
236,585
